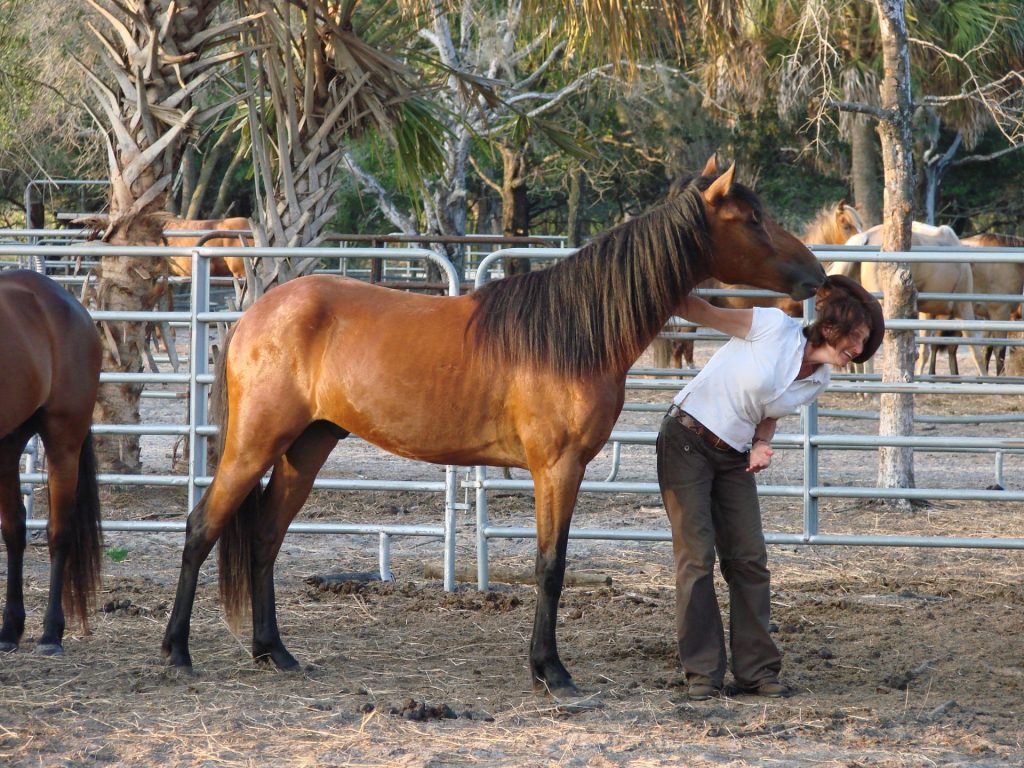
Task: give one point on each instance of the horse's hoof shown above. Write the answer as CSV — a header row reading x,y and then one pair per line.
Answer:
x,y
565,688
50,649
177,659
280,657
6,647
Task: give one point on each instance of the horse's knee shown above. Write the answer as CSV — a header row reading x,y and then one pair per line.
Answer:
x,y
14,529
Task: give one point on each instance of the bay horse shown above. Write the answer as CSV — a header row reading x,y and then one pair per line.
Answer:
x,y
51,355
528,371
834,224
992,277
929,277
229,266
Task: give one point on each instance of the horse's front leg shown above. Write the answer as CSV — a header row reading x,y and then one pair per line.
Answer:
x,y
556,488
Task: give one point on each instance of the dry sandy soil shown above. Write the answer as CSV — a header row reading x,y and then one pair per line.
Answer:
x,y
899,657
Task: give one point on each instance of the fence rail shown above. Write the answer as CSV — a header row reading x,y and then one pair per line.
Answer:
x,y
200,317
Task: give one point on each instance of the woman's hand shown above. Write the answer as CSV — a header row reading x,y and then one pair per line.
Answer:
x,y
760,456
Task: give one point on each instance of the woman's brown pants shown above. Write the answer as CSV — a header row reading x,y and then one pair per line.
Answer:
x,y
711,501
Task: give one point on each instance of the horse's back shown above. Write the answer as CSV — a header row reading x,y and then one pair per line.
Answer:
x,y
921,234
331,348
334,349
219,267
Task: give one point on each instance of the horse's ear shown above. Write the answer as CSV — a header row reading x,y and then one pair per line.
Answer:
x,y
711,166
841,206
720,187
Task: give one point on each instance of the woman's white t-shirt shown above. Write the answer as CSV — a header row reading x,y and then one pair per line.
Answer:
x,y
753,378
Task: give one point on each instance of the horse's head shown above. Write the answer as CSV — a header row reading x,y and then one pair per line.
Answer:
x,y
848,222
748,246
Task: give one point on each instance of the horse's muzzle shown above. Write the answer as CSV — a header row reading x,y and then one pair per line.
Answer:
x,y
807,285
805,290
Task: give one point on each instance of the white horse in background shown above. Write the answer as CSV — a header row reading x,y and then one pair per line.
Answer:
x,y
929,277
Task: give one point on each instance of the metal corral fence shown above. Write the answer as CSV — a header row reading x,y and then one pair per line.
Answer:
x,y
477,484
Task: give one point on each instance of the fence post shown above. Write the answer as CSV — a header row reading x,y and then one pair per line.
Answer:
x,y
198,366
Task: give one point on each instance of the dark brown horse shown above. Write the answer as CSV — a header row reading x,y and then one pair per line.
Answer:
x,y
51,357
526,372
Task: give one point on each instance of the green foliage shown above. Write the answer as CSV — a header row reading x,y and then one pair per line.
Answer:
x,y
980,197
117,554
357,213
419,134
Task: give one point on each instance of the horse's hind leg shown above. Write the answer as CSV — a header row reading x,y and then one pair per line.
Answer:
x,y
230,487
287,491
12,522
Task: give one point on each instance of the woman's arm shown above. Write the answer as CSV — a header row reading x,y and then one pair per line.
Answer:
x,y
761,451
734,322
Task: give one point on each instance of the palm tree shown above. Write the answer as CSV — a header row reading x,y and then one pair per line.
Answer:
x,y
154,59
324,74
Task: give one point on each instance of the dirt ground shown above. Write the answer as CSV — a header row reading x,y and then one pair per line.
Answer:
x,y
898,657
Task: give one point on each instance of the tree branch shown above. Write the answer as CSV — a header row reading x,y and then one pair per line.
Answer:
x,y
859,107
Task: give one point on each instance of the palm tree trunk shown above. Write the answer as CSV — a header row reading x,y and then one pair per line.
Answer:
x,y
864,170
126,284
146,111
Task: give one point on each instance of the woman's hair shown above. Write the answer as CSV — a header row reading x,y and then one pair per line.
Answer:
x,y
838,314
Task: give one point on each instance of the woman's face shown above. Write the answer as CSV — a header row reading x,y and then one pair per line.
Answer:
x,y
844,349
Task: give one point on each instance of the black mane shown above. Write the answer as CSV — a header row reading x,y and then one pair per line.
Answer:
x,y
598,308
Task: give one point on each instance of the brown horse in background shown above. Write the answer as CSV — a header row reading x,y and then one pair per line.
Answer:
x,y
992,277
834,224
528,371
240,230
51,355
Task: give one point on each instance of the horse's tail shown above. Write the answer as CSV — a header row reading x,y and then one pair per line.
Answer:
x,y
82,569
219,400
235,544
235,563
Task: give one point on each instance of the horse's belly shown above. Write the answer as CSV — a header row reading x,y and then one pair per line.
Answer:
x,y
423,419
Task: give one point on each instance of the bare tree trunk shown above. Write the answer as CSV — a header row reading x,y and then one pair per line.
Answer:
x,y
126,284
896,465
188,179
574,225
192,206
515,207
221,205
864,170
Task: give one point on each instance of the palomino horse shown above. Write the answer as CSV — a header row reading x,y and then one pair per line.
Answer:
x,y
992,277
238,227
51,356
929,277
834,224
528,371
